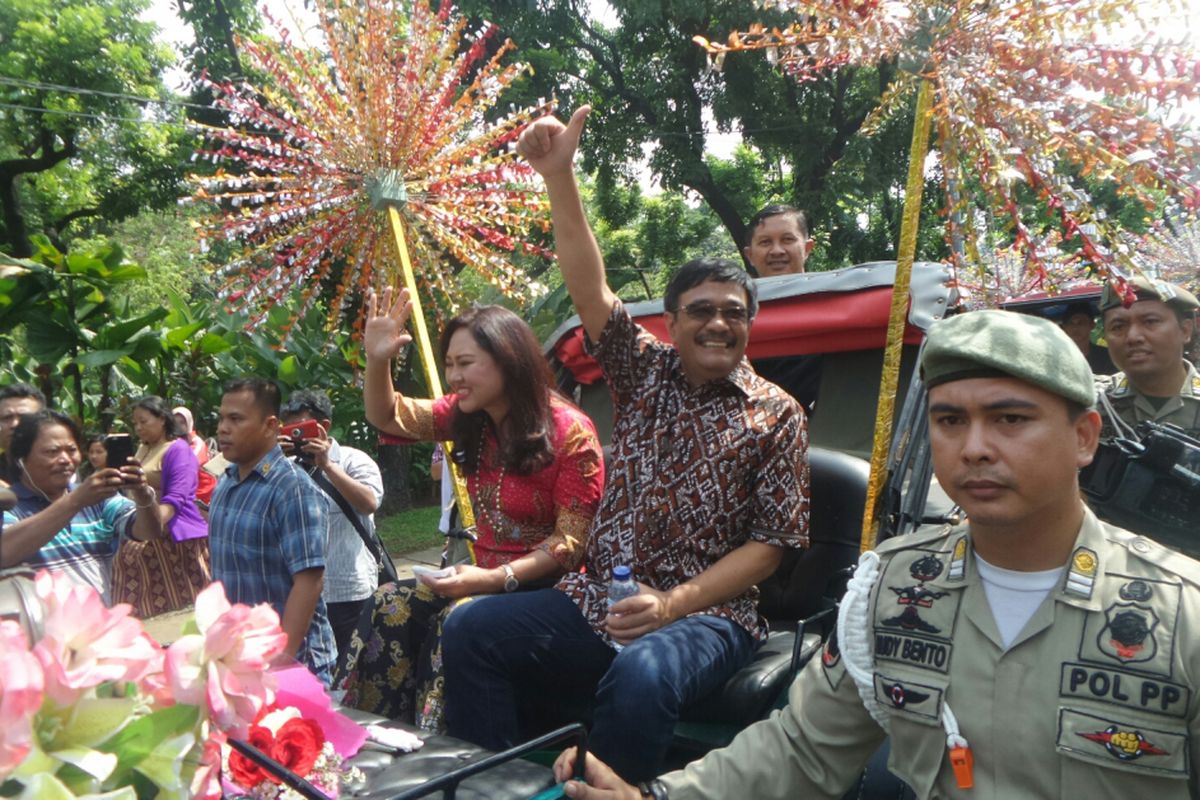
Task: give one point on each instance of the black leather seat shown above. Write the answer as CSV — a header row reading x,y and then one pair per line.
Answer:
x,y
388,775
800,596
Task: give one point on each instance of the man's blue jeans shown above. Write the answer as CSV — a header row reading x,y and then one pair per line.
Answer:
x,y
499,646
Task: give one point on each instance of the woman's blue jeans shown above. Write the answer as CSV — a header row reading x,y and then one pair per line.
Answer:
x,y
499,647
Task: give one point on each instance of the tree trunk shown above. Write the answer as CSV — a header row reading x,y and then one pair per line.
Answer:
x,y
11,170
394,461
14,221
721,205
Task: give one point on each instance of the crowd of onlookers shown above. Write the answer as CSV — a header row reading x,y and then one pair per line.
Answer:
x,y
705,486
152,522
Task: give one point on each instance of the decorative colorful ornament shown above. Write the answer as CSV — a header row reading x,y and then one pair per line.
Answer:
x,y
390,136
400,95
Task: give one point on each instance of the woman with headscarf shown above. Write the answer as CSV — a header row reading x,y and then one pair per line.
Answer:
x,y
187,429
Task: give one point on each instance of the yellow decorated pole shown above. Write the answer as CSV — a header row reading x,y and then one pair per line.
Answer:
x,y
899,311
387,192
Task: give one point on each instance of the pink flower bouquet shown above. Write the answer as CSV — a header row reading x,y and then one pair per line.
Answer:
x,y
97,707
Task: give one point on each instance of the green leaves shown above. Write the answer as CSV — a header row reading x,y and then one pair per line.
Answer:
x,y
85,150
142,737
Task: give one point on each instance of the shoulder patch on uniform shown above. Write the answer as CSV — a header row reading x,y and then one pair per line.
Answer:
x,y
1119,385
831,661
1081,577
958,560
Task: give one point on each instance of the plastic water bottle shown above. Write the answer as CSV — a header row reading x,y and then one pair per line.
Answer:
x,y
621,586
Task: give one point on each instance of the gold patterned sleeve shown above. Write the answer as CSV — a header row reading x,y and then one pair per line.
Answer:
x,y
578,488
422,420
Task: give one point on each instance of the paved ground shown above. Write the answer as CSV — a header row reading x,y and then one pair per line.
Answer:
x,y
165,628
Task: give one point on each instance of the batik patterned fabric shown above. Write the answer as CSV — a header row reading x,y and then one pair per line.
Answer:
x,y
393,665
549,510
166,574
695,473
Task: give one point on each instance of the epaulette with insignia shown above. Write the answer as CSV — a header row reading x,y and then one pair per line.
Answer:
x,y
1119,386
1081,577
914,539
1196,384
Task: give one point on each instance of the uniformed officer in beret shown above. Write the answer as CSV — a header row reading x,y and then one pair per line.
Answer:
x,y
1032,651
1147,330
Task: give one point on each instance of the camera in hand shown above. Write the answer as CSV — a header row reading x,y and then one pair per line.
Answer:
x,y
299,433
1149,485
119,449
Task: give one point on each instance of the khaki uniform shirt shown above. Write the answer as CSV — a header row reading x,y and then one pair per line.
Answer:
x,y
1094,698
1133,407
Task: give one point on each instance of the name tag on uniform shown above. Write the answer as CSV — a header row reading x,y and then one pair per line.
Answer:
x,y
1118,687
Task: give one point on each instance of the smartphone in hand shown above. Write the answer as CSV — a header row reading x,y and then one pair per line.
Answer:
x,y
119,447
427,574
303,431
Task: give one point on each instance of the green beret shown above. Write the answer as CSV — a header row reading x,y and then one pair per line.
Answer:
x,y
1145,288
981,344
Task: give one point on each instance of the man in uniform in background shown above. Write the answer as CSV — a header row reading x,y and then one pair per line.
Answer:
x,y
1032,651
1146,340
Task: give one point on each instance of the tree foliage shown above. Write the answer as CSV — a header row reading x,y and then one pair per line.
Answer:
x,y
81,136
653,90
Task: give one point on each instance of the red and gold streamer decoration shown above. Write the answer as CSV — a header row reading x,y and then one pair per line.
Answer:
x,y
1022,89
1016,89
394,86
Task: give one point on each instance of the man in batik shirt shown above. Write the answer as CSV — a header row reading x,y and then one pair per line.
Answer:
x,y
708,485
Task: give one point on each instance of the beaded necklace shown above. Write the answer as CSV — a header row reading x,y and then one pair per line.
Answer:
x,y
495,523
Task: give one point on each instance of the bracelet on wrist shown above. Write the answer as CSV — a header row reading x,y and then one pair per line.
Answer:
x,y
653,789
153,500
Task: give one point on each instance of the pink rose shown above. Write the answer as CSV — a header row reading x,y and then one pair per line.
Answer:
x,y
224,667
21,683
86,643
206,782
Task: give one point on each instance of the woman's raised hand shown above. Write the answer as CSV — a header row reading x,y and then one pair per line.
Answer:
x,y
387,315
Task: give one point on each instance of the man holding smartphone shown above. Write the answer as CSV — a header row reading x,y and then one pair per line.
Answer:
x,y
354,486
